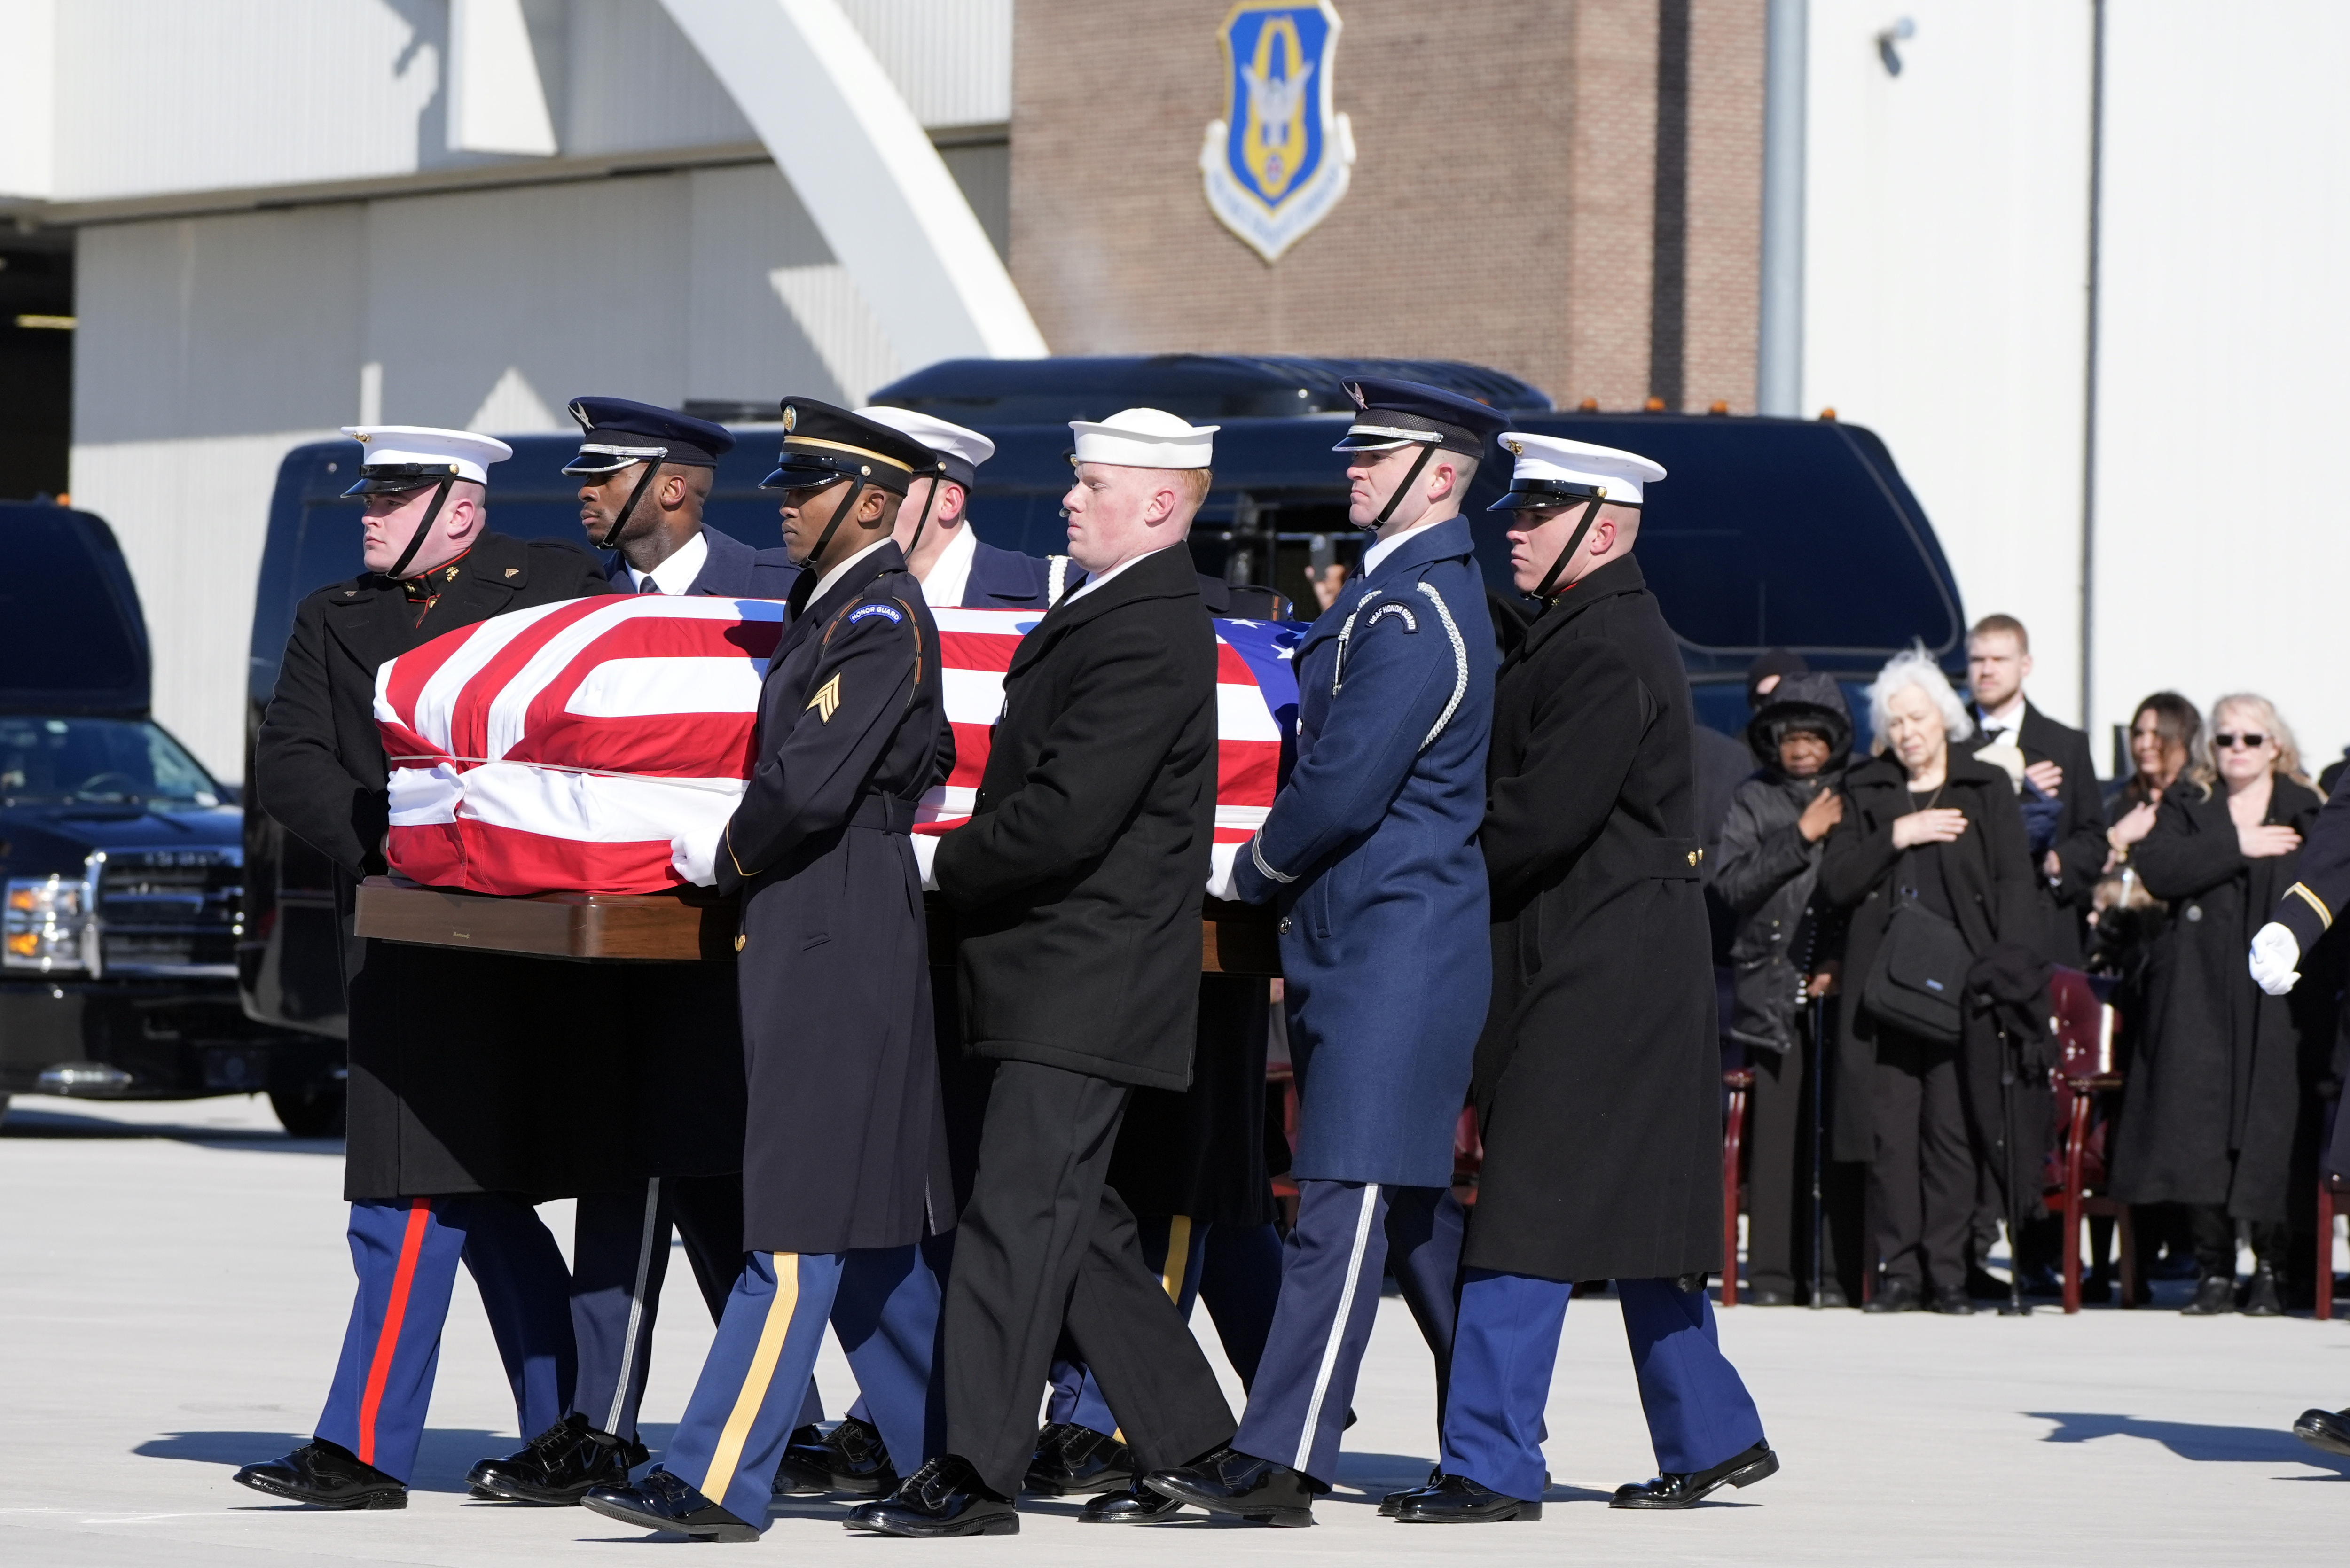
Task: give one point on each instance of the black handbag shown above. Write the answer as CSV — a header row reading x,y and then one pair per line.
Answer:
x,y
1921,973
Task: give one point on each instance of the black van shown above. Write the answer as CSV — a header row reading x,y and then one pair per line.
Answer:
x,y
1769,532
121,856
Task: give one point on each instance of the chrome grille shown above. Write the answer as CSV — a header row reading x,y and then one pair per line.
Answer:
x,y
170,911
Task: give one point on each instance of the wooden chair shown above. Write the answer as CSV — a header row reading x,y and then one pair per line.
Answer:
x,y
1740,1083
2086,1086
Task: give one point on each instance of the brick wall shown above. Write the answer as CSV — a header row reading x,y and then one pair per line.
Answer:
x,y
1501,208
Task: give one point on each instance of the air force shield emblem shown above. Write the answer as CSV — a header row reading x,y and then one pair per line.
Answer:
x,y
1280,159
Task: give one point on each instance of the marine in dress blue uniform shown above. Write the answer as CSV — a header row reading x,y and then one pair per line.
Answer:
x,y
845,1162
1370,854
1596,1079
645,472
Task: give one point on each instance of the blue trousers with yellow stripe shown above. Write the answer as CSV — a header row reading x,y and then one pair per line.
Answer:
x,y
1237,1268
406,1254
883,1303
1506,1343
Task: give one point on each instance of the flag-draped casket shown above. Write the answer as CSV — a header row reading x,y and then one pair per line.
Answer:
x,y
599,745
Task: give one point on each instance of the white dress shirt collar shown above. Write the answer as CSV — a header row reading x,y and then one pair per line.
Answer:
x,y
1378,550
824,583
1090,584
675,574
943,583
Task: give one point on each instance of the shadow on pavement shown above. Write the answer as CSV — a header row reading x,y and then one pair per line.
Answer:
x,y
2196,1441
54,1124
442,1459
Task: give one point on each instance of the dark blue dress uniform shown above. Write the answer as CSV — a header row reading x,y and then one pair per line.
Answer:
x,y
845,1161
1370,854
1597,1078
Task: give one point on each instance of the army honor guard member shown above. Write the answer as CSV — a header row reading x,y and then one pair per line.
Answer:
x,y
844,1165
1370,854
645,474
1597,1077
449,1057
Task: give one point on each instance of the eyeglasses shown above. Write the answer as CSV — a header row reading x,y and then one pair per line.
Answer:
x,y
2227,743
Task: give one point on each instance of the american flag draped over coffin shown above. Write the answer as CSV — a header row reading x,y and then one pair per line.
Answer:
x,y
600,744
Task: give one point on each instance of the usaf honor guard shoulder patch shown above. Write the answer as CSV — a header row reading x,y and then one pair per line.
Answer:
x,y
1280,159
827,701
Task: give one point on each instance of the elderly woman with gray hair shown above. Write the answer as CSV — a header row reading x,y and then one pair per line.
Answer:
x,y
1931,860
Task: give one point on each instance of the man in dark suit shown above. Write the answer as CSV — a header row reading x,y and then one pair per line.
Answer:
x,y
645,473
845,1168
2064,809
958,568
458,1090
1598,1084
1076,887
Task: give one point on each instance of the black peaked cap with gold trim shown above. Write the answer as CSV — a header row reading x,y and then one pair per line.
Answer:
x,y
824,445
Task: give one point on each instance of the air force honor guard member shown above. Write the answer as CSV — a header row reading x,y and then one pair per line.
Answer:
x,y
1370,854
958,568
645,474
844,1165
1597,1084
449,1057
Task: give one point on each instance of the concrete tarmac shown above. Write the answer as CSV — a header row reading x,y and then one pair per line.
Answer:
x,y
174,1285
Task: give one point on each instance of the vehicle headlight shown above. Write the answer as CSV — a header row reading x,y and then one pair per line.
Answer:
x,y
45,924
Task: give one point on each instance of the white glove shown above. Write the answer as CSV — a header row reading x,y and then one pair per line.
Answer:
x,y
696,858
1224,870
2274,954
926,855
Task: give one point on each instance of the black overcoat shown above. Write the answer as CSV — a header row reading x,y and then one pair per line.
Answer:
x,y
2219,1094
1994,896
477,1072
847,1142
1598,1084
1077,884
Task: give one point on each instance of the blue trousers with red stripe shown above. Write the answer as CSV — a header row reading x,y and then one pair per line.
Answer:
x,y
883,1303
1237,1269
1698,1411
406,1254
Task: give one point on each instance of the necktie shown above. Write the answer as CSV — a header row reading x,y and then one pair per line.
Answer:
x,y
645,585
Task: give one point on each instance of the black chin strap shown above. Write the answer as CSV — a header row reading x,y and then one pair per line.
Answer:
x,y
923,520
855,489
612,535
1590,516
1427,451
416,540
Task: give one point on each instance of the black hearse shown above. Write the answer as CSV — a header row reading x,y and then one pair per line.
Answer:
x,y
122,859
1769,532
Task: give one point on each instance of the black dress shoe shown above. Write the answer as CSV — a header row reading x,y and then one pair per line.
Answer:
x,y
1457,1500
1831,1295
2328,1429
1954,1303
1894,1295
324,1476
1227,1481
2214,1294
2262,1299
1685,1490
1078,1461
1767,1295
662,1501
1393,1501
1137,1504
802,1471
945,1497
849,1458
559,1465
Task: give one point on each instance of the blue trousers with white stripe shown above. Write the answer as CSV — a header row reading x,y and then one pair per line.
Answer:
x,y
1332,1266
405,1253
883,1302
1698,1411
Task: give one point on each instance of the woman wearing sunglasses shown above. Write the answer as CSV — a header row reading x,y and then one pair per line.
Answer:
x,y
2219,1114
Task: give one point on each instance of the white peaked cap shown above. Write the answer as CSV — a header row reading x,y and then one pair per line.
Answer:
x,y
946,439
1545,459
470,453
1145,438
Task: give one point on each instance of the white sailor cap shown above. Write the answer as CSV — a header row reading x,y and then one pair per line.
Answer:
x,y
962,449
1145,438
1552,470
409,457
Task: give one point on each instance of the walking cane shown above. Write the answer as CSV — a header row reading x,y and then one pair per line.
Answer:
x,y
1819,1143
2009,1076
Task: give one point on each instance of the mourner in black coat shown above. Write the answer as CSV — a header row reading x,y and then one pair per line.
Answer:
x,y
2075,832
2220,1111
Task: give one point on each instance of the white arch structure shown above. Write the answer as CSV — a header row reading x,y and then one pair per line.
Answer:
x,y
862,166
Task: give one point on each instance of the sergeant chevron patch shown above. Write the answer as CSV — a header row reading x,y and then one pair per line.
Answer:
x,y
827,701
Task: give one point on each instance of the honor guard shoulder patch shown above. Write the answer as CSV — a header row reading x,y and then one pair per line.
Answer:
x,y
888,611
827,701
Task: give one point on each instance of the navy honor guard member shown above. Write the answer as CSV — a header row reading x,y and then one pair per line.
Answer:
x,y
1598,1084
958,570
844,1169
1075,889
460,1098
1370,854
645,473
